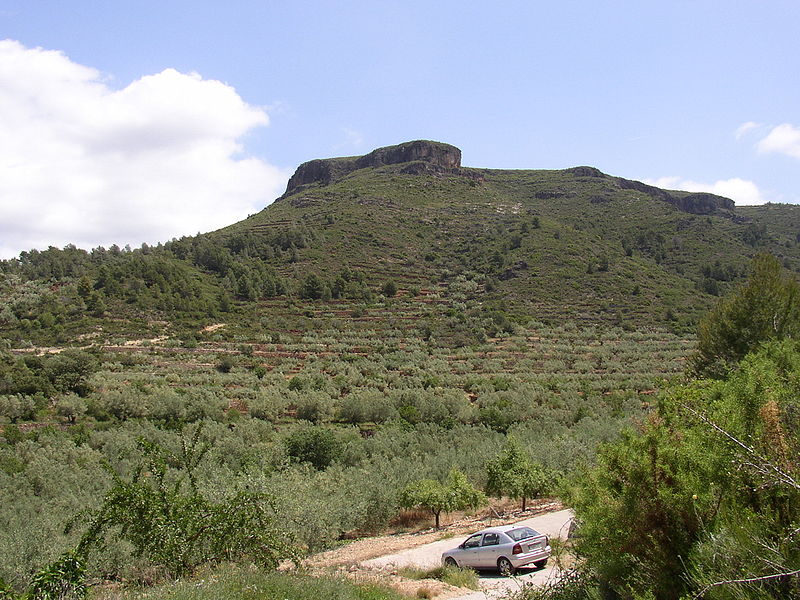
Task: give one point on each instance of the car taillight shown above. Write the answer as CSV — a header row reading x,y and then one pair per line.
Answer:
x,y
517,549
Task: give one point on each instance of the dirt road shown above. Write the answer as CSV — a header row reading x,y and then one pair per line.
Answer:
x,y
555,524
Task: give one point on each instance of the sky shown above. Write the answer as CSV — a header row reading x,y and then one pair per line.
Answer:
x,y
131,122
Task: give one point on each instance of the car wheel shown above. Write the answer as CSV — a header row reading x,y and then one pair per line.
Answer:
x,y
505,567
539,564
450,562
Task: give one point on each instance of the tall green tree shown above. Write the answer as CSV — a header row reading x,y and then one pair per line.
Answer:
x,y
312,287
766,307
704,500
456,493
512,473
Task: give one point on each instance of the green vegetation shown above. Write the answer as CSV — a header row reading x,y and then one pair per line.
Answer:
x,y
512,473
456,493
703,500
235,583
397,331
456,576
766,307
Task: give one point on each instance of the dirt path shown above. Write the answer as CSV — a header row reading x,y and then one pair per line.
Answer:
x,y
379,559
554,524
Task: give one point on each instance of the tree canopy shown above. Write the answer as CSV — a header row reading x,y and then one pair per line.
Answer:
x,y
456,493
765,307
512,473
705,499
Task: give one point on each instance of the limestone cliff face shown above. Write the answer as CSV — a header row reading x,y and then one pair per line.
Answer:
x,y
443,155
423,157
328,170
699,203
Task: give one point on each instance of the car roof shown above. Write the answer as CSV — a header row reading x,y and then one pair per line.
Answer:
x,y
504,528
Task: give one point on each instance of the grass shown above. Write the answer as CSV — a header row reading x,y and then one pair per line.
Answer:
x,y
455,576
240,583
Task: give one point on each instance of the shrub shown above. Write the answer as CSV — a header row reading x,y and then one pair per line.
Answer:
x,y
268,405
197,530
314,445
389,289
226,364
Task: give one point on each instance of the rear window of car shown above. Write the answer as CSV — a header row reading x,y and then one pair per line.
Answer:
x,y
522,533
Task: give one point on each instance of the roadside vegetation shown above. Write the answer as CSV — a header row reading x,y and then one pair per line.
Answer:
x,y
231,582
702,500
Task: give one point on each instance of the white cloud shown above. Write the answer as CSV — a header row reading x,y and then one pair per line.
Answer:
x,y
741,191
352,140
784,139
86,164
745,128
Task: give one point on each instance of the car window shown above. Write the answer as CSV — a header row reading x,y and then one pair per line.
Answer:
x,y
522,533
491,539
473,542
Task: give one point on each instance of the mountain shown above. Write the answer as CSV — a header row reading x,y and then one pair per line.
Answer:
x,y
389,318
557,246
572,244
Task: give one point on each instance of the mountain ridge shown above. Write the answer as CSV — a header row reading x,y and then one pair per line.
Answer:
x,y
445,159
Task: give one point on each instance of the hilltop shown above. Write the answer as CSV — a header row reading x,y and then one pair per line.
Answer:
x,y
572,244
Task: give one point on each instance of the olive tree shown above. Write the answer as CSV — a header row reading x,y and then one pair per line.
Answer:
x,y
512,473
456,493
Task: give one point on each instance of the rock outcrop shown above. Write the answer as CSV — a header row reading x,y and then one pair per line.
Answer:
x,y
436,156
424,157
699,203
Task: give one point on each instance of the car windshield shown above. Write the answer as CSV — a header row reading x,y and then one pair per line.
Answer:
x,y
522,533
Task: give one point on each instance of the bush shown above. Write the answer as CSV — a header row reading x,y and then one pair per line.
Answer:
x,y
226,364
389,289
268,405
197,530
455,576
314,445
17,407
69,370
316,407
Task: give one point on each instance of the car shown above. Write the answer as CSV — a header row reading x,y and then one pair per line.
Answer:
x,y
505,548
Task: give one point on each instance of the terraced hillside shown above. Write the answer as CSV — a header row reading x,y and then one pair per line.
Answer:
x,y
562,245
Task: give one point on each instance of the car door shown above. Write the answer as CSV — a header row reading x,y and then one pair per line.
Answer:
x,y
488,554
469,555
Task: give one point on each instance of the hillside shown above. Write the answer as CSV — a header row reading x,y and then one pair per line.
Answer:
x,y
572,245
563,245
389,318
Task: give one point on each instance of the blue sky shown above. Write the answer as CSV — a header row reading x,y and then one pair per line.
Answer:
x,y
141,121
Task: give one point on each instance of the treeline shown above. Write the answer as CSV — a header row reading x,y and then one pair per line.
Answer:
x,y
200,275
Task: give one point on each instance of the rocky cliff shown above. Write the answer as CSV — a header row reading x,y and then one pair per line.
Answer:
x,y
698,203
432,158
439,156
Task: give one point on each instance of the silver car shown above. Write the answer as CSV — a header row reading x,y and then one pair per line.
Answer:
x,y
506,548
